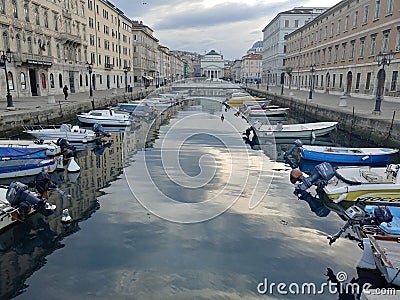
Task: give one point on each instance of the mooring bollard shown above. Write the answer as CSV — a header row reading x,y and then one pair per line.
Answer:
x,y
343,101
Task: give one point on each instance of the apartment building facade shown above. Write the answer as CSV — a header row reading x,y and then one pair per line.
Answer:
x,y
47,40
109,45
274,39
251,68
343,43
144,54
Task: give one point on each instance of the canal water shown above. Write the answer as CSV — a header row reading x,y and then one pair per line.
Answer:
x,y
177,208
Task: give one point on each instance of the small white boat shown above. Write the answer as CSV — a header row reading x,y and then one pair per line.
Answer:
x,y
265,111
106,117
27,167
382,253
365,184
52,148
65,131
238,98
265,132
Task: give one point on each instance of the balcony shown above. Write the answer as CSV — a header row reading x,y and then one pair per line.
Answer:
x,y
108,66
69,37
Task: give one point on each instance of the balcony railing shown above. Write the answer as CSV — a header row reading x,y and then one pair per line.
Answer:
x,y
108,66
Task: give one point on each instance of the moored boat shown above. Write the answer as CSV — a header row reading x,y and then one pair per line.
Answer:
x,y
29,167
65,131
106,117
265,132
51,147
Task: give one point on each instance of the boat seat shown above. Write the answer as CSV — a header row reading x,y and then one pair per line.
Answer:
x,y
373,177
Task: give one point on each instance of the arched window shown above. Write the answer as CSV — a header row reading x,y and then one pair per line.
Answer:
x,y
80,80
30,49
52,80
60,84
15,8
46,19
43,77
26,11
10,80
6,42
23,81
86,80
18,40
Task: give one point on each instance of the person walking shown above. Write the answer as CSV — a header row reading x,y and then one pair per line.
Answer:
x,y
65,91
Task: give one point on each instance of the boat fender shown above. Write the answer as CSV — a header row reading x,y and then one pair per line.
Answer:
x,y
365,157
65,218
73,165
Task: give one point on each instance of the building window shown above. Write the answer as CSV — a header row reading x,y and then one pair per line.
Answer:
x,y
56,18
393,84
373,44
340,81
332,29
296,23
30,48
368,81
389,8
398,39
15,8
326,32
336,54
80,80
385,41
18,40
286,23
333,80
365,17
51,80
351,54
377,9
10,80
346,23
362,47
355,19
338,27
3,7
26,12
23,81
60,83
43,78
37,16
46,19
58,51
358,78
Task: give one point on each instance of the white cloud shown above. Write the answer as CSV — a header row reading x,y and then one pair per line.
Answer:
x,y
201,25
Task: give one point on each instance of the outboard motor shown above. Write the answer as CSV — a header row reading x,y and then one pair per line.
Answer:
x,y
65,146
99,130
382,214
319,177
19,196
297,145
43,183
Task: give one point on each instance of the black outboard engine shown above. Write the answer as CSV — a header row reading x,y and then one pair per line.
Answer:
x,y
19,196
382,214
65,146
99,130
43,183
319,177
287,156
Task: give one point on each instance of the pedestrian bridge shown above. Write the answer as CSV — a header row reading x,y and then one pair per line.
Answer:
x,y
206,87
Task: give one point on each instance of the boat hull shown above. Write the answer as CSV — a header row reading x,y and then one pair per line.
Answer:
x,y
48,166
50,134
370,194
103,121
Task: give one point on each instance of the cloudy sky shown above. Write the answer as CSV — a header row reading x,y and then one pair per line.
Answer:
x,y
227,26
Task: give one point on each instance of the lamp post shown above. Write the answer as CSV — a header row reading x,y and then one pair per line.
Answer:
x,y
89,67
312,71
383,59
6,57
126,70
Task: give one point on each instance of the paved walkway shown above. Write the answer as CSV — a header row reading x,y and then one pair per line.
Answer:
x,y
25,105
361,106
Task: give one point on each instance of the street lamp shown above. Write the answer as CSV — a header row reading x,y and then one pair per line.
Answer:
x,y
89,67
6,57
312,71
126,70
383,59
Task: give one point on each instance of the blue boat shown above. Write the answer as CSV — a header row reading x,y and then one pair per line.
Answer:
x,y
11,153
